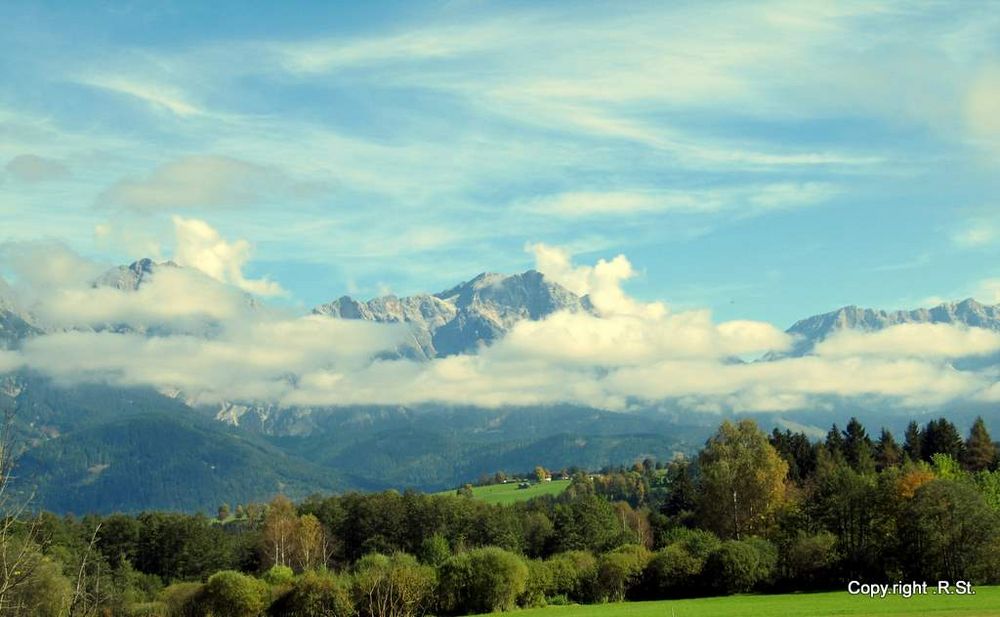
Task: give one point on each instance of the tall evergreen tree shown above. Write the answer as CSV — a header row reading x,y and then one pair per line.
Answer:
x,y
941,437
980,451
887,451
913,441
858,447
835,442
682,493
798,452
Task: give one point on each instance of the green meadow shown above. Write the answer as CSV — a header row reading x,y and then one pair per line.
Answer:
x,y
509,493
986,603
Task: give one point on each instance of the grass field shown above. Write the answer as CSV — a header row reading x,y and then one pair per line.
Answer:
x,y
509,493
986,603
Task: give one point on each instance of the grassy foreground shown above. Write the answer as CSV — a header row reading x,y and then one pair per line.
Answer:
x,y
986,603
509,493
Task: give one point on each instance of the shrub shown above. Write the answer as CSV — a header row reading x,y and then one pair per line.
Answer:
x,y
181,599
47,590
538,585
738,565
147,609
559,600
767,558
698,542
620,571
435,550
483,580
133,589
673,572
396,585
808,558
233,594
573,574
279,575
315,595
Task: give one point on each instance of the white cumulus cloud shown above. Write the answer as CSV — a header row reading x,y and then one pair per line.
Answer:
x,y
200,246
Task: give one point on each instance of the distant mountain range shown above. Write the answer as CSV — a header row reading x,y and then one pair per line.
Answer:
x,y
467,316
482,310
96,447
812,330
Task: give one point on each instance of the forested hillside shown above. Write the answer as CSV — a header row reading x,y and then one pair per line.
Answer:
x,y
94,448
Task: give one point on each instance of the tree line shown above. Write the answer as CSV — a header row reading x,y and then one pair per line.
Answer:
x,y
750,512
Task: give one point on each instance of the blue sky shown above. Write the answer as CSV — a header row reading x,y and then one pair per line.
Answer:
x,y
767,160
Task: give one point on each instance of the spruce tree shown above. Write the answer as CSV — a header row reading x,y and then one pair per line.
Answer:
x,y
835,443
941,437
913,441
887,451
858,447
980,451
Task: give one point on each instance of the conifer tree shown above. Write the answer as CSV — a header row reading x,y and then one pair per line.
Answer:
x,y
858,447
941,437
913,441
835,442
887,451
980,451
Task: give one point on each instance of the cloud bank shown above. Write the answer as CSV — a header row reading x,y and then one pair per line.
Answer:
x,y
191,328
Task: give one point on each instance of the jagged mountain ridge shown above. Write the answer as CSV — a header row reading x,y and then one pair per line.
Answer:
x,y
812,330
467,316
482,310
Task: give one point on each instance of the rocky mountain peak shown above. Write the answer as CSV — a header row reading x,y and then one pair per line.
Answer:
x,y
465,317
812,330
131,277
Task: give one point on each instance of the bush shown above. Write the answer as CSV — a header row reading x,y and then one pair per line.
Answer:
x,y
133,589
672,573
181,599
398,581
767,559
147,609
315,595
738,565
538,586
697,542
574,574
47,590
809,558
233,594
435,550
279,575
483,580
619,571
559,600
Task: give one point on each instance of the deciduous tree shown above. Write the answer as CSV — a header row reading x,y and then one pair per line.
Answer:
x,y
742,480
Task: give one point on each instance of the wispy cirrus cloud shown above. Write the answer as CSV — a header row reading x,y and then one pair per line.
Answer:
x,y
448,136
158,96
747,201
977,232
